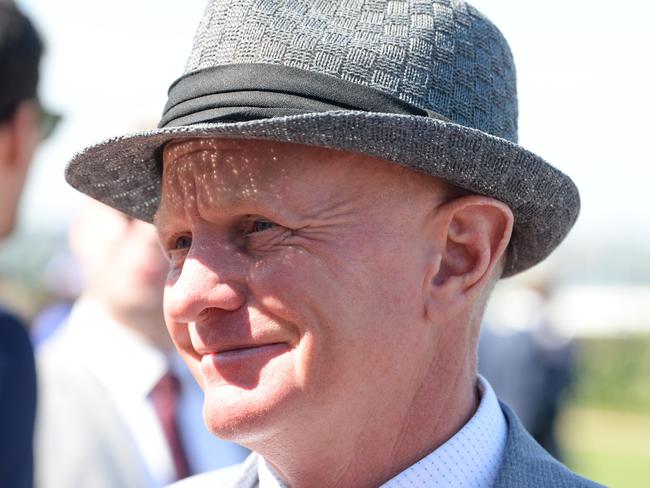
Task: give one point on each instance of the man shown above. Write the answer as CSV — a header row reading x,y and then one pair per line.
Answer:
x,y
20,53
337,187
126,408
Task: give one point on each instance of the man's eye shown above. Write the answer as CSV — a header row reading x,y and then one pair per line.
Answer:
x,y
181,242
261,225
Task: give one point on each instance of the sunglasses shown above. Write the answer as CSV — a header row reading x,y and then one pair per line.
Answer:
x,y
47,121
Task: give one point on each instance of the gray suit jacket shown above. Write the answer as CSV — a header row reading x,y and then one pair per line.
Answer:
x,y
525,464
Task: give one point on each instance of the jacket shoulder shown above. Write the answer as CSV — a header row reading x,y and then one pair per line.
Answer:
x,y
15,345
526,463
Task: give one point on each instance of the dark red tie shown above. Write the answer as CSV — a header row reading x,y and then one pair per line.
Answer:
x,y
164,397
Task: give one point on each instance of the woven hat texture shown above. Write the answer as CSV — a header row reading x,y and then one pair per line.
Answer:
x,y
440,56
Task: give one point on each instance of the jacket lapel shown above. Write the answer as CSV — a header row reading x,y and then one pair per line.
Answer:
x,y
526,463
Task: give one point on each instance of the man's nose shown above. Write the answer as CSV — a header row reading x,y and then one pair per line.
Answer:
x,y
213,279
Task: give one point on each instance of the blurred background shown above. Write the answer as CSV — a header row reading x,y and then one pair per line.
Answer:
x,y
584,314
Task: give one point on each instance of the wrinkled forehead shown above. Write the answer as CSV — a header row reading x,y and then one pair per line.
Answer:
x,y
226,172
242,165
222,172
226,155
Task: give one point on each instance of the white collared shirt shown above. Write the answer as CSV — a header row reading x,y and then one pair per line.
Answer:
x,y
469,459
110,351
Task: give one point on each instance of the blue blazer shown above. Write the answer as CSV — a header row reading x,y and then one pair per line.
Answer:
x,y
17,404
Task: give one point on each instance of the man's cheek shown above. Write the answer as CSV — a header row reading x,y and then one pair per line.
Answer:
x,y
194,366
180,336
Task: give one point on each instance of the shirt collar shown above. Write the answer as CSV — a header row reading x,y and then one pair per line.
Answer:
x,y
469,459
266,475
110,350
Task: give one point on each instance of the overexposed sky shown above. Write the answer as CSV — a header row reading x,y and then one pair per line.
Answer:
x,y
583,70
107,69
584,76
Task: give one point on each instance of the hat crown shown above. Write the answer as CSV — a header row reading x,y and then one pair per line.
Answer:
x,y
439,55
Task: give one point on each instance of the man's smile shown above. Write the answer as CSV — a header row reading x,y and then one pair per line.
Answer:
x,y
242,365
242,353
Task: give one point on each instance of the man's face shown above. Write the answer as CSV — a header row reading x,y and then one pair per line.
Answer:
x,y
121,260
296,281
19,137
138,269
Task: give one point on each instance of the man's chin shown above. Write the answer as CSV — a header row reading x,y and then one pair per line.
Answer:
x,y
242,415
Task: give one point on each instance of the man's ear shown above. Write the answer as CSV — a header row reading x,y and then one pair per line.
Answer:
x,y
471,234
19,136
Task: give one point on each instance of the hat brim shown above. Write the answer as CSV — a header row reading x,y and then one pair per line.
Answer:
x,y
123,172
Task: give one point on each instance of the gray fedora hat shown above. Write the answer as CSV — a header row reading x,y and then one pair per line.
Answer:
x,y
427,84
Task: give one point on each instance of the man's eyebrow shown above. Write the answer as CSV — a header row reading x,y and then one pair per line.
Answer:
x,y
230,204
164,219
159,221
156,220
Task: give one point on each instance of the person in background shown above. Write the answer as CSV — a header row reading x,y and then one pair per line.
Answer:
x,y
23,124
61,283
527,361
118,408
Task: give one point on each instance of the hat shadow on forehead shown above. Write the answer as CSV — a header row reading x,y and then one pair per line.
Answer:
x,y
426,84
208,172
230,172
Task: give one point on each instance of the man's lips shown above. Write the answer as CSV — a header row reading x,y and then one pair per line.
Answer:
x,y
231,355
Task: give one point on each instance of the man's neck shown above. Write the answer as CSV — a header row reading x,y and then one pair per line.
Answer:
x,y
389,441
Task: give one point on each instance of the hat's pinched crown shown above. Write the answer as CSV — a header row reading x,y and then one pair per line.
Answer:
x,y
439,55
